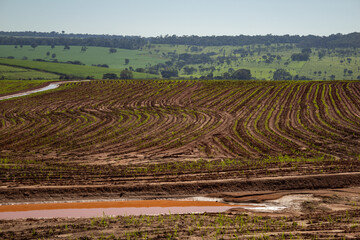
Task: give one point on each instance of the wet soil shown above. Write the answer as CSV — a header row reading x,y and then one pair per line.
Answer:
x,y
321,214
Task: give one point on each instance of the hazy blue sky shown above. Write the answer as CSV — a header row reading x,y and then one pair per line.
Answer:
x,y
182,17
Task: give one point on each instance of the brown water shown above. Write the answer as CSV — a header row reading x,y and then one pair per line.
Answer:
x,y
95,209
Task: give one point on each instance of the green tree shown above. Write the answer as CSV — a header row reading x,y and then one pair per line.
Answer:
x,y
306,51
126,74
53,55
127,61
168,73
282,74
241,74
112,50
110,76
47,54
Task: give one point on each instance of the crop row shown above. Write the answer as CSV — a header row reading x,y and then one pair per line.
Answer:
x,y
136,120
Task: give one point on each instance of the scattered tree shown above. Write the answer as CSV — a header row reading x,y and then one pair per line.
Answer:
x,y
241,74
300,57
168,73
126,74
53,55
141,70
112,50
127,61
189,70
306,51
282,74
110,76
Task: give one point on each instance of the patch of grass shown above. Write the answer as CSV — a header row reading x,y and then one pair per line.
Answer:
x,y
93,55
16,73
69,69
11,86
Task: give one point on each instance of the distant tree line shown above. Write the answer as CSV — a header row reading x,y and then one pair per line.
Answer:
x,y
310,41
136,42
124,43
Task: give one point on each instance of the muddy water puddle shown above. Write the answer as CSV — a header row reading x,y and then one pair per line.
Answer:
x,y
95,209
125,207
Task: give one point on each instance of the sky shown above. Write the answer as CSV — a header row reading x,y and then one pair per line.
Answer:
x,y
182,17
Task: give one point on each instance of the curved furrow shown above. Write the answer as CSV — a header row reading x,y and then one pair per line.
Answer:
x,y
17,134
353,105
261,122
327,114
270,120
293,123
355,90
201,99
323,136
190,119
244,100
246,129
339,112
311,115
182,141
278,122
162,136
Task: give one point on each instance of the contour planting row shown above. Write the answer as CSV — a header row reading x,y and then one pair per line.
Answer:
x,y
29,172
132,120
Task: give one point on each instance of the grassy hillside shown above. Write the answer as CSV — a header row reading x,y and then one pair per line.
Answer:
x,y
69,69
11,73
262,60
333,63
93,55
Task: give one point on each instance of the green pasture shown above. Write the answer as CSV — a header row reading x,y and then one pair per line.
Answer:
x,y
152,54
331,64
93,55
11,86
69,69
12,73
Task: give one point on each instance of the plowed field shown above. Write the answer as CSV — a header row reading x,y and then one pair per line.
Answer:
x,y
146,139
129,121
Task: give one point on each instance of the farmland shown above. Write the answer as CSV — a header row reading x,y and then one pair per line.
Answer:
x,y
51,70
160,138
201,61
210,119
15,73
